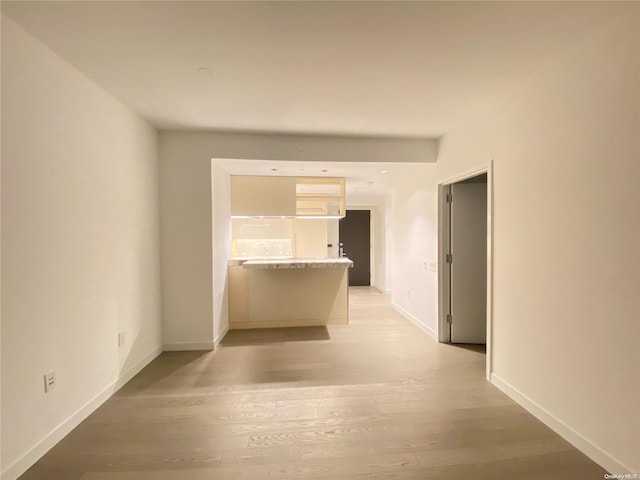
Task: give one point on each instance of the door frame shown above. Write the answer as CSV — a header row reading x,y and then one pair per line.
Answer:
x,y
372,210
443,247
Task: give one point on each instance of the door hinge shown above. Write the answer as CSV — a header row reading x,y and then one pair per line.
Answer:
x,y
449,318
449,197
449,258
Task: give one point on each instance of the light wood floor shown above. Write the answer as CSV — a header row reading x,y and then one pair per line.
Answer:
x,y
373,400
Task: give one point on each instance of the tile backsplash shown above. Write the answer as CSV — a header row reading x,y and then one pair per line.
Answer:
x,y
279,247
262,237
284,237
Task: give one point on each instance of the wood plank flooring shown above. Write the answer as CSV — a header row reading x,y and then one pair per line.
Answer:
x,y
377,399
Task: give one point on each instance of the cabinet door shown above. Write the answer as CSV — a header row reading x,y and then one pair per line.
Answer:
x,y
266,196
319,196
309,206
310,237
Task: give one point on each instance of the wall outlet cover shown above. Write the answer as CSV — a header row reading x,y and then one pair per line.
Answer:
x,y
49,381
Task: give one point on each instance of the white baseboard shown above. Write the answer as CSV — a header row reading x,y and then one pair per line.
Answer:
x,y
21,465
428,330
220,336
187,346
586,446
386,291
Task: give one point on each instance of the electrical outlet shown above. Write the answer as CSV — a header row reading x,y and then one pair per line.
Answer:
x,y
121,339
49,381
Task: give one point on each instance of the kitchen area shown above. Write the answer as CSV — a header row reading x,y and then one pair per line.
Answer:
x,y
287,267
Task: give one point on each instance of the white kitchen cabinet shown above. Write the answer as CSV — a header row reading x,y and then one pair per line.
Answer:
x,y
255,196
316,196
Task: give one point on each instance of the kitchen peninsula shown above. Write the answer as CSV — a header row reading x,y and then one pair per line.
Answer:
x,y
286,269
267,293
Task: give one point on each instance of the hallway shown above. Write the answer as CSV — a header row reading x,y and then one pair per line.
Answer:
x,y
376,399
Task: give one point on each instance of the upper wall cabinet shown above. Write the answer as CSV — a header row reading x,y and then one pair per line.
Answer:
x,y
254,196
263,196
316,196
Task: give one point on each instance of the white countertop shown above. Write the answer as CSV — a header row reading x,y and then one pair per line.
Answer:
x,y
275,263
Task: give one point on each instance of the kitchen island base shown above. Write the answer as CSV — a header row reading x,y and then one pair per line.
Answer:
x,y
265,295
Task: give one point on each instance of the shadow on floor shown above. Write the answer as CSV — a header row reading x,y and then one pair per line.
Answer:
x,y
163,367
265,336
471,347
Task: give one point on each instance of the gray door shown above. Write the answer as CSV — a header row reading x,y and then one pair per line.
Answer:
x,y
355,240
469,263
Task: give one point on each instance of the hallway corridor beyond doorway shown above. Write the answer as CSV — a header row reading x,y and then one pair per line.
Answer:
x,y
373,400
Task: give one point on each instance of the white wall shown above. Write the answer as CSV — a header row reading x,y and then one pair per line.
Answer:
x,y
320,148
221,208
388,246
414,231
565,145
186,239
80,247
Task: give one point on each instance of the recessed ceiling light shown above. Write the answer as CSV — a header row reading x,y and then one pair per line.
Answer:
x,y
325,170
203,70
384,171
274,169
359,189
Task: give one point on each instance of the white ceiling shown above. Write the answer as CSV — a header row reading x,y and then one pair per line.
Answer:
x,y
369,178
361,68
406,69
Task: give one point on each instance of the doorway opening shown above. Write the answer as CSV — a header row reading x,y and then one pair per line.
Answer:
x,y
355,243
465,246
